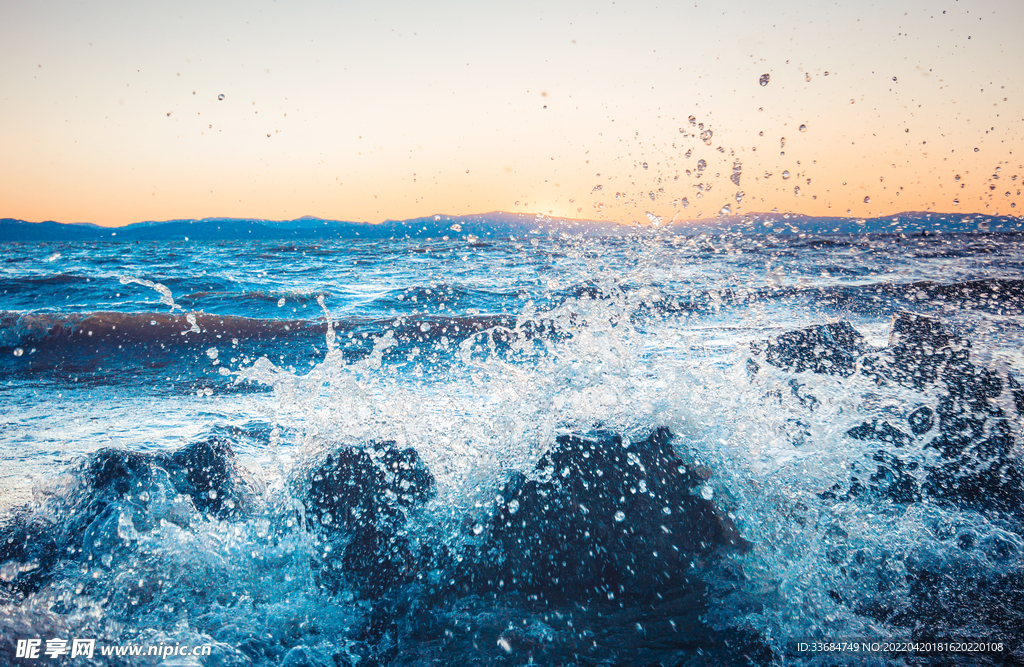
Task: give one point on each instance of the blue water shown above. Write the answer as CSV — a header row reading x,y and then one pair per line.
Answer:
x,y
486,359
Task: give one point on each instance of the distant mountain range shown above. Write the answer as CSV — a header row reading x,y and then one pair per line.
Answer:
x,y
491,225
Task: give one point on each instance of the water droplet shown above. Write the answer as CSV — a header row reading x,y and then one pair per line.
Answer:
x,y
956,202
807,77
867,200
803,128
685,202
597,188
957,178
702,164
478,528
765,78
280,302
692,119
706,492
785,175
739,197
213,494
212,353
726,210
513,506
18,351
705,136
796,191
976,150
644,165
221,96
894,78
655,220
168,114
620,516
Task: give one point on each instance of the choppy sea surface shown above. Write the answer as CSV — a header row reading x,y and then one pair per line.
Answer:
x,y
645,450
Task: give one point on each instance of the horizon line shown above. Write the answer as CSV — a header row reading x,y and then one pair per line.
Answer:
x,y
438,216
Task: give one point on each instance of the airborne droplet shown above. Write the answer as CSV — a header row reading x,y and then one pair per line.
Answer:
x,y
764,79
803,128
867,200
18,351
645,165
785,175
620,516
705,136
221,96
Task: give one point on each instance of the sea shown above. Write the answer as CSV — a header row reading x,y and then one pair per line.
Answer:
x,y
656,448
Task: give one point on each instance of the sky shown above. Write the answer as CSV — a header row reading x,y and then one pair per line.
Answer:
x,y
119,112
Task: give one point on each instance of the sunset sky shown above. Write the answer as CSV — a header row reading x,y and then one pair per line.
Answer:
x,y
112,112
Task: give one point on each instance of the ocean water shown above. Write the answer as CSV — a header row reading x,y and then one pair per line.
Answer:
x,y
650,450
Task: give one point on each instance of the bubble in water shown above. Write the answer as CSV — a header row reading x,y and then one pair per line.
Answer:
x,y
221,96
513,506
764,79
478,528
620,516
706,492
867,200
785,175
280,302
18,351
212,353
803,128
